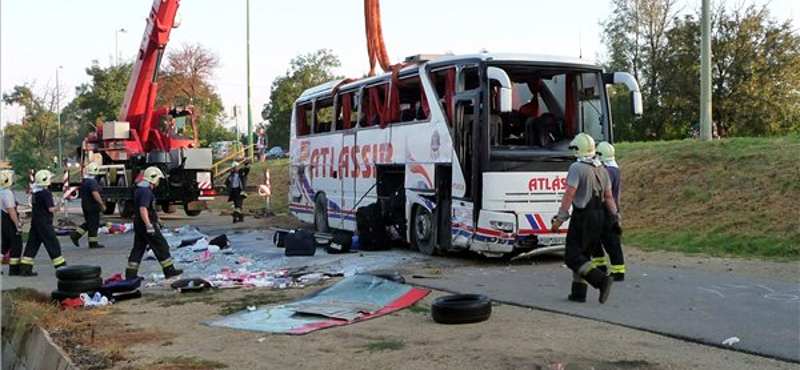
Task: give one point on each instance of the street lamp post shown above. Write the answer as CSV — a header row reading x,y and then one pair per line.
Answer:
x,y
58,115
116,45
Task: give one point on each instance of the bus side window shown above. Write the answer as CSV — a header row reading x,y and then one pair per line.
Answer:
x,y
346,112
303,119
411,99
323,116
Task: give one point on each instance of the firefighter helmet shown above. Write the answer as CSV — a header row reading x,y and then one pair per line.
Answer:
x,y
153,175
605,151
234,164
582,145
43,178
6,179
93,169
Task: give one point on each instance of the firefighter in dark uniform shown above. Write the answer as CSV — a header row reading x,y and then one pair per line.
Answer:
x,y
147,231
610,240
588,193
235,184
42,231
92,206
12,224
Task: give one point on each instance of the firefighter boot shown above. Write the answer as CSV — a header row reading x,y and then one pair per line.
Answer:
x,y
13,270
94,243
578,293
131,273
76,236
26,270
171,271
600,281
618,276
60,264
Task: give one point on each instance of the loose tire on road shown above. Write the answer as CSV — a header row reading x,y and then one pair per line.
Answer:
x,y
60,295
461,309
80,286
78,272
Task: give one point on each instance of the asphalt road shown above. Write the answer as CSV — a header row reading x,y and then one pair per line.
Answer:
x,y
693,305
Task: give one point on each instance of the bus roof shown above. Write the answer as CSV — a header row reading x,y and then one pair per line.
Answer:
x,y
441,60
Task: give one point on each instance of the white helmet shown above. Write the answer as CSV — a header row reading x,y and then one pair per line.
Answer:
x,y
234,164
153,175
582,145
93,169
6,179
605,151
43,178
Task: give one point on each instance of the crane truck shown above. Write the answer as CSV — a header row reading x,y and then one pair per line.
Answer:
x,y
144,136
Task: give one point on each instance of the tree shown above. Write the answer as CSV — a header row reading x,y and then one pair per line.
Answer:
x,y
97,101
755,73
305,71
635,35
186,81
34,141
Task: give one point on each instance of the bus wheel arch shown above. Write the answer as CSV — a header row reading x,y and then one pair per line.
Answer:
x,y
321,222
423,230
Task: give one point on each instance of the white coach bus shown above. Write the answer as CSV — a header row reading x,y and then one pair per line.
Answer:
x,y
476,146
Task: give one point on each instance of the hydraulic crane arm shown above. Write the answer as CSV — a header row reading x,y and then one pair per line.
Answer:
x,y
143,84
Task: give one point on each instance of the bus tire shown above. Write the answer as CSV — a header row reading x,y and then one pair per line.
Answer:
x,y
321,213
423,231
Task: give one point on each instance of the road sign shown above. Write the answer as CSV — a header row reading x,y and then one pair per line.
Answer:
x,y
264,190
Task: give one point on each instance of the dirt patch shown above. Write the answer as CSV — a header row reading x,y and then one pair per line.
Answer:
x,y
512,338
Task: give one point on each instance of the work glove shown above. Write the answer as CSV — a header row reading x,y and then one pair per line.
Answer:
x,y
151,230
19,228
613,221
559,219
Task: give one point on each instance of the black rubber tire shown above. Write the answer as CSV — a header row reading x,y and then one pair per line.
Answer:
x,y
78,272
60,295
461,309
110,208
191,213
423,231
126,209
183,284
321,223
80,286
169,208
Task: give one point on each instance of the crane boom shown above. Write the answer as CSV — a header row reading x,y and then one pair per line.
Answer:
x,y
143,84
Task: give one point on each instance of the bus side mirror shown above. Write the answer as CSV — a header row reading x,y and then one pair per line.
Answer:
x,y
629,81
504,92
636,103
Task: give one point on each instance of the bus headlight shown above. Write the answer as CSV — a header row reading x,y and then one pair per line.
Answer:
x,y
502,226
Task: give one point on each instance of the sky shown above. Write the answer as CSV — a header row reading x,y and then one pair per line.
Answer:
x,y
39,36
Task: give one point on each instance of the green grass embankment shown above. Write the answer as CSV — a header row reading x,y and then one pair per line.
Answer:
x,y
279,180
732,197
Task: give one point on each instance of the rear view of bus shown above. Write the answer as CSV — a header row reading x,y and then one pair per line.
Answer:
x,y
473,149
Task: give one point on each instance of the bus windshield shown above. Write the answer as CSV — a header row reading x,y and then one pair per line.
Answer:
x,y
550,106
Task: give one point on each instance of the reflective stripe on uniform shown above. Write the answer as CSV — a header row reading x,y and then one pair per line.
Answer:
x,y
599,261
578,279
166,263
59,260
133,265
80,231
585,268
26,261
94,239
13,261
617,269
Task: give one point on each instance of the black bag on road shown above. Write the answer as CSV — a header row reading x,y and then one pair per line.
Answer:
x,y
300,243
371,228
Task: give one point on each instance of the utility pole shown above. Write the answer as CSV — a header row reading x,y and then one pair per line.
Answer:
x,y
705,72
58,114
249,105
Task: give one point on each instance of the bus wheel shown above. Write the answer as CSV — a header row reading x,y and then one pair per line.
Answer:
x,y
423,231
321,213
